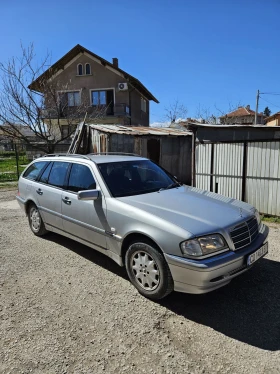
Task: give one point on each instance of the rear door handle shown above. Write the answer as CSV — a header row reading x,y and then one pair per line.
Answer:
x,y
66,200
39,191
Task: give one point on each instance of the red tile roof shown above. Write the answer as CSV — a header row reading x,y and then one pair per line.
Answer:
x,y
241,112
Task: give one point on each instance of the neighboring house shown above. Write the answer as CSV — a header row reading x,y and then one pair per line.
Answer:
x,y
9,132
273,120
8,137
82,77
242,116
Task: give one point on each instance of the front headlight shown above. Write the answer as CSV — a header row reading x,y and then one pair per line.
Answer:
x,y
203,246
258,217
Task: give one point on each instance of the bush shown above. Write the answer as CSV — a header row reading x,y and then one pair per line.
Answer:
x,y
11,153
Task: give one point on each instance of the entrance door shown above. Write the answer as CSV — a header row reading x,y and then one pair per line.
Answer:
x,y
153,150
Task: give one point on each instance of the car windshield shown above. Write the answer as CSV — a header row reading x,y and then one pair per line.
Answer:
x,y
128,178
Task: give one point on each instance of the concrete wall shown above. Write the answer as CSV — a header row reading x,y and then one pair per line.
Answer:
x,y
138,117
274,122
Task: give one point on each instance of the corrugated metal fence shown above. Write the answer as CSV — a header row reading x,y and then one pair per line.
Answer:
x,y
248,171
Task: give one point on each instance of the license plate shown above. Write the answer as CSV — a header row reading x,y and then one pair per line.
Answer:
x,y
257,255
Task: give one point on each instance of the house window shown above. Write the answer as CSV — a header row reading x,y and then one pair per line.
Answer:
x,y
68,130
74,98
143,105
80,69
70,99
104,98
64,131
98,98
88,72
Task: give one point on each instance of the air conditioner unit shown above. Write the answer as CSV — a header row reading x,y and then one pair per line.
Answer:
x,y
122,86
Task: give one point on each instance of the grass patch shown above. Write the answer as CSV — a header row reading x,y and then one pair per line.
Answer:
x,y
8,167
271,219
8,185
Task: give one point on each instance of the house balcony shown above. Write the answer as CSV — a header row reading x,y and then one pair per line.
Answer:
x,y
121,110
118,110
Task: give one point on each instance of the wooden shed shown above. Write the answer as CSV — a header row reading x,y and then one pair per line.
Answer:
x,y
170,148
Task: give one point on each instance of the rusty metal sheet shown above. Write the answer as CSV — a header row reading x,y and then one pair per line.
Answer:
x,y
140,131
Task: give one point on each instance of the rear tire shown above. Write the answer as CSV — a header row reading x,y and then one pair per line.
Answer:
x,y
35,221
147,269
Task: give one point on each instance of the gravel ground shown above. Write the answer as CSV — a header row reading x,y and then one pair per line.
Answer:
x,y
65,308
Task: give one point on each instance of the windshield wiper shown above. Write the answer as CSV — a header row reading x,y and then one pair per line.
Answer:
x,y
172,185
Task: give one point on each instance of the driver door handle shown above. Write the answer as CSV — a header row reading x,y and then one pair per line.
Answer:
x,y
66,200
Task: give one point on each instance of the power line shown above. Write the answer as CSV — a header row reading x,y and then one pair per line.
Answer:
x,y
270,93
277,106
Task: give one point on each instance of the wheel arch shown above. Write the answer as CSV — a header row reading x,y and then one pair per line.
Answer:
x,y
137,236
27,205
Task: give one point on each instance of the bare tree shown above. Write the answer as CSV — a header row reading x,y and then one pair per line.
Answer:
x,y
205,115
45,110
212,117
175,111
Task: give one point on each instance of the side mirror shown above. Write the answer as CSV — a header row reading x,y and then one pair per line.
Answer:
x,y
89,195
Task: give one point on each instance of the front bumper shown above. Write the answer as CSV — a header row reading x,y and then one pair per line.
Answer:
x,y
201,276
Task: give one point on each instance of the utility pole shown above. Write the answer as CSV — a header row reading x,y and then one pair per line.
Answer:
x,y
257,106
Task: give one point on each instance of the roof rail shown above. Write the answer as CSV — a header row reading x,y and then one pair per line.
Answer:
x,y
115,153
66,155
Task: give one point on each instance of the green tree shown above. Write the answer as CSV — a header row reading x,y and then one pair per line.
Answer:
x,y
267,111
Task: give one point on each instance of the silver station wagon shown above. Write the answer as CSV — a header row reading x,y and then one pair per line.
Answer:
x,y
169,236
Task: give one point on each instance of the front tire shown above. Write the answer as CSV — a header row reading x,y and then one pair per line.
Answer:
x,y
148,270
35,221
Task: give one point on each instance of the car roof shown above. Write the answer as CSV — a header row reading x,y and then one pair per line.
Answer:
x,y
97,158
100,159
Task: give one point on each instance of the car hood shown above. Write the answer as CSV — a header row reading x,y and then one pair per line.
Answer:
x,y
197,211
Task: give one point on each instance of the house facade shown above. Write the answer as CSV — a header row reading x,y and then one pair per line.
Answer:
x,y
242,116
83,82
273,120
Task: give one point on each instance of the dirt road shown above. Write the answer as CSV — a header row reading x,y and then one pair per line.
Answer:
x,y
65,308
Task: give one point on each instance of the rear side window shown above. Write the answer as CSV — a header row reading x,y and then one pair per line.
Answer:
x,y
45,176
81,179
58,173
34,170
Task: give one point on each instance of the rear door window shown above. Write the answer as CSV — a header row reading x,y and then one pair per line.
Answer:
x,y
34,170
58,174
45,176
81,178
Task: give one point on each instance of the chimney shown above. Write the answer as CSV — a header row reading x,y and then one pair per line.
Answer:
x,y
248,107
115,62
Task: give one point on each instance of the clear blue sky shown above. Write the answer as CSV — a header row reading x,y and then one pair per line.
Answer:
x,y
207,52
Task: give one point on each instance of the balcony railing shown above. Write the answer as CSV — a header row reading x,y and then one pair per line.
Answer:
x,y
121,110
118,110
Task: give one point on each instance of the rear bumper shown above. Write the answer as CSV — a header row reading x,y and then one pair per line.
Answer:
x,y
22,203
201,276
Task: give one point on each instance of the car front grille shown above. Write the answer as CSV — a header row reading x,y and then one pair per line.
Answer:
x,y
244,233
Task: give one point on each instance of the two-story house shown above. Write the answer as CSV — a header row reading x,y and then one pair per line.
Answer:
x,y
242,116
86,83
